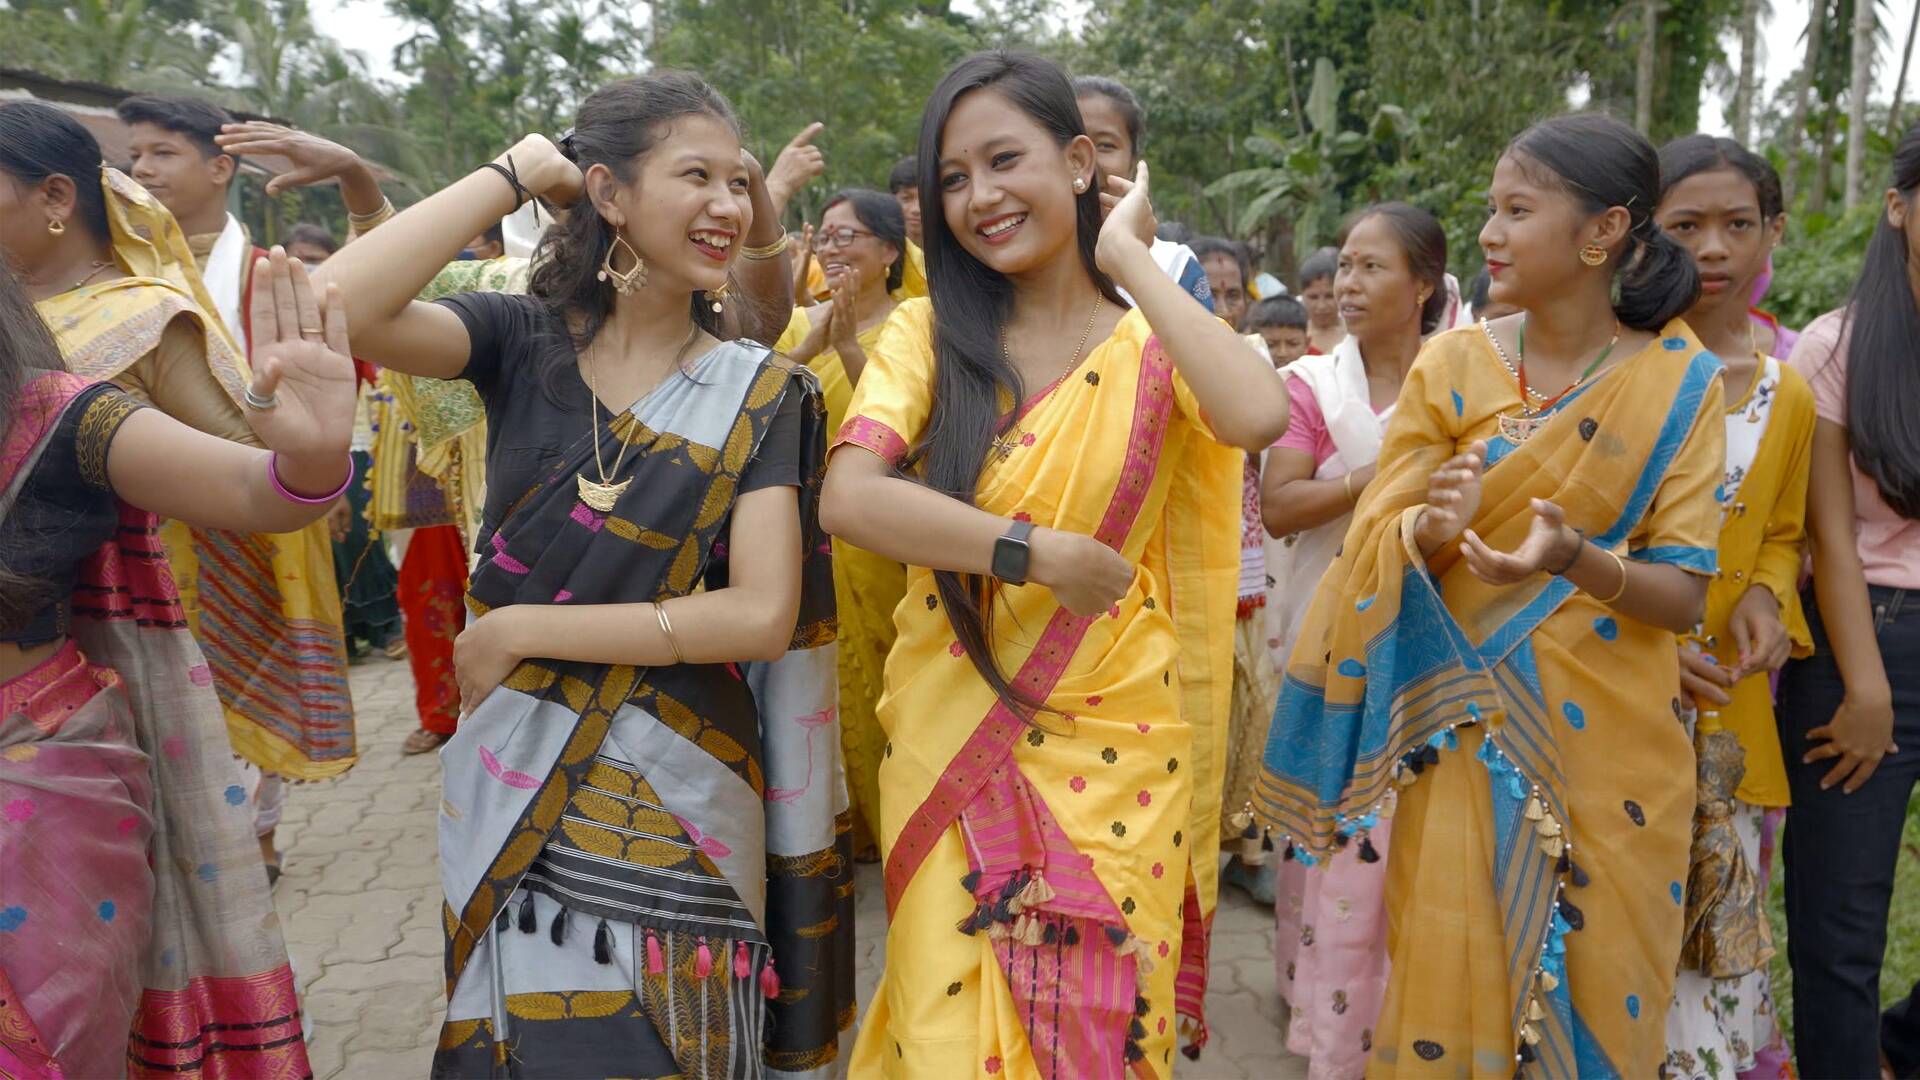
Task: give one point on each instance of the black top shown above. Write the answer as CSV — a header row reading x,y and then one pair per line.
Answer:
x,y
65,511
532,417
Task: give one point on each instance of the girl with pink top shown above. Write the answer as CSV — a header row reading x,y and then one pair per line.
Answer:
x,y
1850,714
1330,944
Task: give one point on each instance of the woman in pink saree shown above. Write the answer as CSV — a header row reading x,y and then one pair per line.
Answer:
x,y
137,936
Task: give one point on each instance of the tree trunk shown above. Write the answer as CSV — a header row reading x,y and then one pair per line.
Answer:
x,y
1823,164
1864,25
1900,84
1643,69
1744,89
1797,127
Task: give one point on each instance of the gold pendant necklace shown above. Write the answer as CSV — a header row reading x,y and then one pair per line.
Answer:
x,y
603,495
1003,446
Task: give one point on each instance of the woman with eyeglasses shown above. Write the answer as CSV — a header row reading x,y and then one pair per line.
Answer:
x,y
861,243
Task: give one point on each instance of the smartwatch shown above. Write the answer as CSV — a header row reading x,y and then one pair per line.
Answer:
x,y
1012,552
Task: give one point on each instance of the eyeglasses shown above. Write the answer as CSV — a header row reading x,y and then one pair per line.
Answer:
x,y
844,236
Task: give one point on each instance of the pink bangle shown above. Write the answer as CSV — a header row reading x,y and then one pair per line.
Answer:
x,y
280,489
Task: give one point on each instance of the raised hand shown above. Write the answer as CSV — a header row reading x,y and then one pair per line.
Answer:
x,y
313,158
1129,218
799,164
1548,543
802,262
302,365
1086,576
1453,498
544,171
844,318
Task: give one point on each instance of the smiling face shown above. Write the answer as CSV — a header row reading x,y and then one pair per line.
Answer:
x,y
1375,287
173,168
1229,290
1533,236
1006,187
1715,215
687,206
844,243
1107,127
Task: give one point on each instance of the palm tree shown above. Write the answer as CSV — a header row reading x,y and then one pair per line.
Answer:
x,y
1643,71
1802,95
1865,26
1745,84
1900,84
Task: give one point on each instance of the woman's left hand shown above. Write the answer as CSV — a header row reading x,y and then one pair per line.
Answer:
x,y
300,361
1129,219
1758,633
844,317
483,657
1548,543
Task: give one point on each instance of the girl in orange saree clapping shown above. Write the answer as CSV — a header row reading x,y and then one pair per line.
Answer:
x,y
1498,634
1051,783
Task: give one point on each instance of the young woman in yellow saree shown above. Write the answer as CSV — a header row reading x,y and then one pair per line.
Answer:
x,y
1051,777
862,244
1501,643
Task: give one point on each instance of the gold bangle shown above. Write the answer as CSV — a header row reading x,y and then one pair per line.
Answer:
x,y
666,631
769,251
1346,482
360,223
1621,591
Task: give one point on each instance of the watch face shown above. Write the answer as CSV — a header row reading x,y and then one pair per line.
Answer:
x,y
1010,559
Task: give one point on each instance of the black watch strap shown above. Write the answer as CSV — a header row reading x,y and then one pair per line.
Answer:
x,y
1012,553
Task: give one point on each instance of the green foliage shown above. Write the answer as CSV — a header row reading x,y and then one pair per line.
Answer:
x,y
862,68
1816,266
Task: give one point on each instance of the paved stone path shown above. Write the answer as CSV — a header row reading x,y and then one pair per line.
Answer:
x,y
360,901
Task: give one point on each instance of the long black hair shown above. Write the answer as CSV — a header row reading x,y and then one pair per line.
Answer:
x,y
38,141
27,348
882,216
1883,353
1424,244
971,304
1603,163
616,126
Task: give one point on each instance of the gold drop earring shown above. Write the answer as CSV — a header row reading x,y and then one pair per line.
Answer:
x,y
624,282
1593,255
716,295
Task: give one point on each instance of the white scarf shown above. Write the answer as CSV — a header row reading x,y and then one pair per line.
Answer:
x,y
1296,563
225,274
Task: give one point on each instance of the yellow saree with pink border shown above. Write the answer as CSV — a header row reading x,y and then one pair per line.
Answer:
x,y
1041,876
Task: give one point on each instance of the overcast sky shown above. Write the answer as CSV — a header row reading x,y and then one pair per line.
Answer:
x,y
368,26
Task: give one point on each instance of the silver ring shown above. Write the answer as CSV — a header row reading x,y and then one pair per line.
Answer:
x,y
260,404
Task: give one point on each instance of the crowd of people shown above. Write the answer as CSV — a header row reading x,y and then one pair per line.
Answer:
x,y
986,528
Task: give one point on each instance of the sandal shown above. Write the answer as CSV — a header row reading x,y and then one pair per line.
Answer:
x,y
422,741
396,649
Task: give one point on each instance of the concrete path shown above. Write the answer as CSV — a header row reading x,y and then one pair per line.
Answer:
x,y
360,901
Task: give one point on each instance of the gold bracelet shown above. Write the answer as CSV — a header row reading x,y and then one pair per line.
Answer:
x,y
1621,591
1346,482
771,250
360,223
666,630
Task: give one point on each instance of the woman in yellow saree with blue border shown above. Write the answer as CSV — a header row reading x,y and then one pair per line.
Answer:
x,y
1050,787
1540,848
